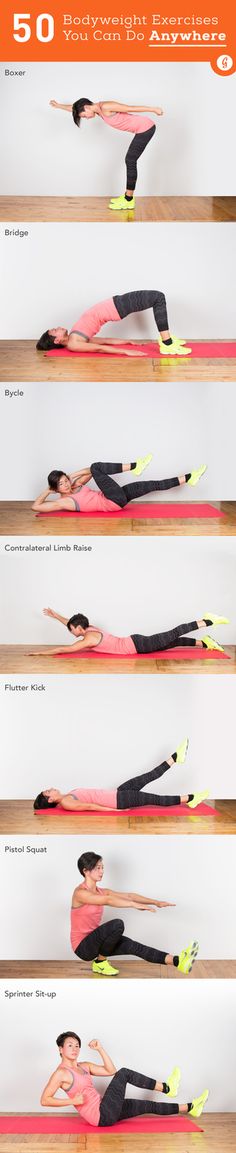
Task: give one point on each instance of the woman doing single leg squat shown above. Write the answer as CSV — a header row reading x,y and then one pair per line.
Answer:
x,y
89,637
83,336
125,118
74,492
128,795
92,941
75,1078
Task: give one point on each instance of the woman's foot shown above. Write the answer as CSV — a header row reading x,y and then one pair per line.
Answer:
x,y
104,968
141,463
173,1082
209,643
196,475
197,799
212,619
177,348
181,752
119,203
187,957
198,1104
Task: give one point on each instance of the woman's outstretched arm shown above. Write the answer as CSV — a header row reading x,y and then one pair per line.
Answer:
x,y
115,106
64,107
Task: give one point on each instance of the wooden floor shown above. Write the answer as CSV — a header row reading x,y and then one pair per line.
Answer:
x,y
21,659
94,209
18,817
130,968
20,361
17,518
219,1136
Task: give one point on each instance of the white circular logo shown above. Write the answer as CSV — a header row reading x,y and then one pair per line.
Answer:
x,y
224,63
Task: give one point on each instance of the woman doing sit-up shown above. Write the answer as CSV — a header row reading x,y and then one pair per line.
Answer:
x,y
75,1078
92,941
125,118
83,336
128,795
74,492
89,637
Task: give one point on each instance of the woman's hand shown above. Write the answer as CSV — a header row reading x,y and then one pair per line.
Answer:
x,y
95,1044
166,904
159,111
54,104
49,613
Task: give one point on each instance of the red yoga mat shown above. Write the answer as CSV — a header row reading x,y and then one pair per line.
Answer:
x,y
149,810
21,1124
151,510
200,349
191,654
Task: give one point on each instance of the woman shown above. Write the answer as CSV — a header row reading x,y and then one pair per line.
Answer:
x,y
92,941
127,796
75,494
83,335
75,1078
126,118
88,637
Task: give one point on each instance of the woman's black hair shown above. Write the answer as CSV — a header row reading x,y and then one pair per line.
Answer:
x,y
78,107
87,862
60,1041
78,619
54,477
42,802
46,342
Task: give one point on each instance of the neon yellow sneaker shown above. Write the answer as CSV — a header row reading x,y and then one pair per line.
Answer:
x,y
187,957
141,464
177,348
209,643
173,1082
196,475
197,799
104,968
214,620
181,752
118,203
198,1104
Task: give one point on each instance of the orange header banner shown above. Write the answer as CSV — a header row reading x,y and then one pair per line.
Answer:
x,y
80,32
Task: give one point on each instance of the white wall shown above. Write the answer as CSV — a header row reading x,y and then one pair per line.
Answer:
x,y
154,715
192,1024
193,872
124,586
43,152
54,281
88,424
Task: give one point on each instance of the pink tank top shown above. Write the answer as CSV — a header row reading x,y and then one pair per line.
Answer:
x,y
107,797
87,500
91,321
120,646
84,920
128,121
82,1083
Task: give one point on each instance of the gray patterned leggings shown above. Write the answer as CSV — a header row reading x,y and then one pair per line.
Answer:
x,y
114,1107
129,794
101,473
137,146
167,640
139,301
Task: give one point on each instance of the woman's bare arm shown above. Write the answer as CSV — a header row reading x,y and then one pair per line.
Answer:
x,y
107,898
57,1081
64,107
115,106
80,344
108,1068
